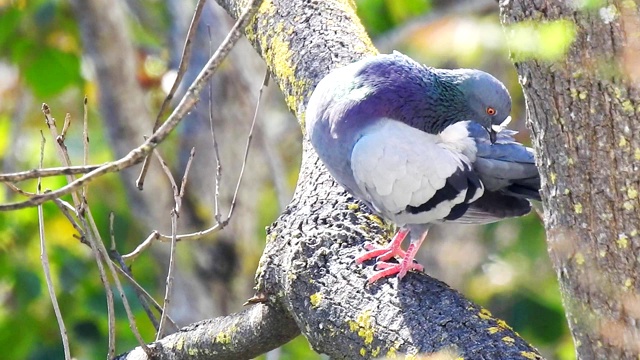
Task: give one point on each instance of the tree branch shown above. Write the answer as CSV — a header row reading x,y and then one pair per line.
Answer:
x,y
308,266
244,335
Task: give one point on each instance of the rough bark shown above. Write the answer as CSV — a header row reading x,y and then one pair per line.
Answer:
x,y
583,111
244,335
308,267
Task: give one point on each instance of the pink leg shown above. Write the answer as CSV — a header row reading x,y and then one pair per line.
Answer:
x,y
386,252
393,249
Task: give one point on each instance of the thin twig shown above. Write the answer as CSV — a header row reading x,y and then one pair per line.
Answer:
x,y
44,259
265,83
66,209
182,69
85,143
184,107
61,148
216,152
65,127
155,235
19,191
124,271
114,254
178,194
93,239
102,251
48,172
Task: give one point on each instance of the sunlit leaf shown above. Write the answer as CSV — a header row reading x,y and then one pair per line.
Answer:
x,y
540,40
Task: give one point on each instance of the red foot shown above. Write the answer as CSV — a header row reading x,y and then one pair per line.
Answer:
x,y
386,252
382,254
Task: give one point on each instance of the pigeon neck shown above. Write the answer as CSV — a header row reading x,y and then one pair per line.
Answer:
x,y
429,105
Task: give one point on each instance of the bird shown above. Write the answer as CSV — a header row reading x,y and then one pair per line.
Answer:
x,y
420,146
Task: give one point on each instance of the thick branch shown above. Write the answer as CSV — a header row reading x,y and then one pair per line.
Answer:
x,y
308,266
244,335
583,111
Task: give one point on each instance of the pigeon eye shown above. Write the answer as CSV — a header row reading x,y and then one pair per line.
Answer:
x,y
491,111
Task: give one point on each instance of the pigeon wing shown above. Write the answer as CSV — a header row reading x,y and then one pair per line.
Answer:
x,y
509,173
413,177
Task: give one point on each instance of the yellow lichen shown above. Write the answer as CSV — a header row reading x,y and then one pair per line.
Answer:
x,y
391,354
224,337
577,208
503,324
315,299
602,253
508,339
553,176
627,205
632,193
363,352
180,343
627,284
353,207
622,142
579,258
375,352
627,106
362,324
636,154
623,241
485,314
529,355
376,219
494,329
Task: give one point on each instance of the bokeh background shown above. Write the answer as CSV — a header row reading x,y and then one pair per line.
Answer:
x,y
503,266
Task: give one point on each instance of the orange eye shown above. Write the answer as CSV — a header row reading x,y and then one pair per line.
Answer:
x,y
491,111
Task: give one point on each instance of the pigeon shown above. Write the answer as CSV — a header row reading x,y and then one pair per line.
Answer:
x,y
420,146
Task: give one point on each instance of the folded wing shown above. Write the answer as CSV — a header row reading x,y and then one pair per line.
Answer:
x,y
509,174
414,177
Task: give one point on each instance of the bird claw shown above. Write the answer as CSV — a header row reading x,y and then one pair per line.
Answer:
x,y
381,254
388,269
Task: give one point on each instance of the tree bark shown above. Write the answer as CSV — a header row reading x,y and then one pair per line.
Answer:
x,y
583,110
308,268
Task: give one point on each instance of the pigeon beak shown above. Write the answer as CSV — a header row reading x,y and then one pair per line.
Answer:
x,y
493,135
495,129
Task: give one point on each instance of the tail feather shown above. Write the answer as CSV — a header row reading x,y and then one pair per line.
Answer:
x,y
509,173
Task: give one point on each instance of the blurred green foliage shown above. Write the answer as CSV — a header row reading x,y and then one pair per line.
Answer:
x,y
40,39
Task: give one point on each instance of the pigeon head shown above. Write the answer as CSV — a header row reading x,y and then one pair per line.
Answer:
x,y
487,100
397,87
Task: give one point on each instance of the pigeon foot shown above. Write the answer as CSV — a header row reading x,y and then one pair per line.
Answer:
x,y
385,253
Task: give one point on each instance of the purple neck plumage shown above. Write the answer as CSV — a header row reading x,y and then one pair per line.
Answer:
x,y
422,99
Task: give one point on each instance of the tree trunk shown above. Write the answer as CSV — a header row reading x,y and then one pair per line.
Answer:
x,y
307,271
583,110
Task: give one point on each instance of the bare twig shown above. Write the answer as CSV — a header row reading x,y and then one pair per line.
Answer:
x,y
103,254
61,148
19,191
216,153
65,127
178,194
124,271
182,68
66,209
85,143
155,235
265,83
113,253
48,172
184,107
44,259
